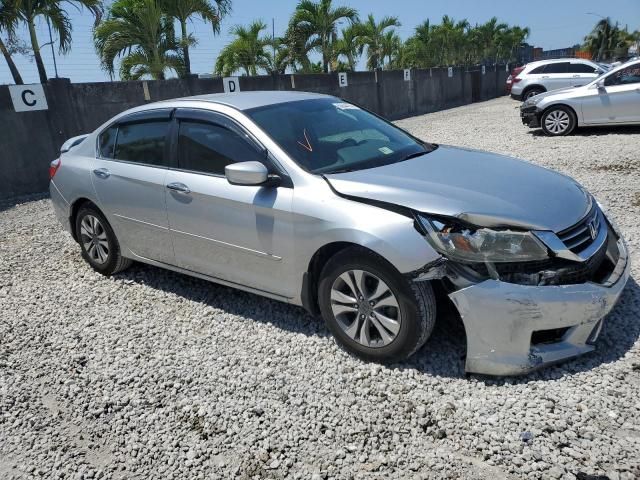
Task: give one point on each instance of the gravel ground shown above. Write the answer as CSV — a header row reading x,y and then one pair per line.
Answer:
x,y
152,374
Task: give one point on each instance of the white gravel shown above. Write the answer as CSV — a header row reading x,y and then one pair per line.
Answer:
x,y
155,375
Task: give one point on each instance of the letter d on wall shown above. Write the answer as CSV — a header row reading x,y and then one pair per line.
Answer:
x,y
28,98
231,84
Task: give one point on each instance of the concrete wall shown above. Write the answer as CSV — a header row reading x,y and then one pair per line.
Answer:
x,y
30,140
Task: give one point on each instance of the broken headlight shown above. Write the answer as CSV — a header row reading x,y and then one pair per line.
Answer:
x,y
469,244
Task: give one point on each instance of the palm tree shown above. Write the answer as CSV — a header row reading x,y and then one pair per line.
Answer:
x,y
348,45
449,41
182,10
372,36
54,13
603,40
391,47
8,22
490,36
140,33
248,51
315,24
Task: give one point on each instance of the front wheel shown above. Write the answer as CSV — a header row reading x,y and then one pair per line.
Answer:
x,y
558,121
371,309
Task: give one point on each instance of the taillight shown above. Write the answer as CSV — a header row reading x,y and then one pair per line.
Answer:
x,y
515,72
53,168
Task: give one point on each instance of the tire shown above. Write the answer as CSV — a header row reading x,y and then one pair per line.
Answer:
x,y
99,245
531,93
558,121
393,333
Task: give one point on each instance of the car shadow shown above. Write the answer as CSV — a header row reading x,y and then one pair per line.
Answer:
x,y
594,131
230,300
444,353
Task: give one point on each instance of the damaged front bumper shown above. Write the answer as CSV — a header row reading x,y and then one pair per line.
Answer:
x,y
530,116
512,329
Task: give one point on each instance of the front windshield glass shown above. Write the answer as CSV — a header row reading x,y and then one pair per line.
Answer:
x,y
327,135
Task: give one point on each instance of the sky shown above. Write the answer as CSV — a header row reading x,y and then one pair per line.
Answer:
x,y
553,24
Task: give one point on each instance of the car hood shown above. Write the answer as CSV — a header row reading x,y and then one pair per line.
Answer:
x,y
482,188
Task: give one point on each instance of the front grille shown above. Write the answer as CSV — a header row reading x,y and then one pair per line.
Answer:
x,y
582,234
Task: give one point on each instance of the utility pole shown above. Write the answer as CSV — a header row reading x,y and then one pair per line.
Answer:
x,y
273,38
53,52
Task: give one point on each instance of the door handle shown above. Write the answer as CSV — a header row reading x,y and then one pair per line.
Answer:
x,y
178,187
546,76
576,76
102,173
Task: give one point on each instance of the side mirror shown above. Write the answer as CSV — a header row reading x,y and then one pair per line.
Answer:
x,y
250,174
600,84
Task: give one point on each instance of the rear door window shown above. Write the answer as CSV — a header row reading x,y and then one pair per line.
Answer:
x,y
142,142
562,67
537,70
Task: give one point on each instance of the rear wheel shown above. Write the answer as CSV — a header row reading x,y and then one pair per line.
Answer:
x,y
99,245
371,309
558,121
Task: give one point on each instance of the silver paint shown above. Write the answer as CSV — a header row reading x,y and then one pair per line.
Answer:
x,y
262,238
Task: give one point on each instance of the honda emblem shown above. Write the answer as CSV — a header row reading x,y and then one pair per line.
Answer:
x,y
593,230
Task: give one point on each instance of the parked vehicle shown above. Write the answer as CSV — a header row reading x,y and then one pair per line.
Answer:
x,y
311,200
612,99
546,75
514,73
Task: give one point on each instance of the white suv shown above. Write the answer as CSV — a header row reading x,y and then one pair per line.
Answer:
x,y
546,75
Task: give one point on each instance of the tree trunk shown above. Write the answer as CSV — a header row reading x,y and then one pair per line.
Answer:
x,y
185,48
12,66
42,72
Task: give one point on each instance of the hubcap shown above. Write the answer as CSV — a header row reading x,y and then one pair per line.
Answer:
x,y
94,239
557,121
365,308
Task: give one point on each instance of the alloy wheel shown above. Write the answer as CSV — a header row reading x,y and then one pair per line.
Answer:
x,y
557,121
366,308
94,239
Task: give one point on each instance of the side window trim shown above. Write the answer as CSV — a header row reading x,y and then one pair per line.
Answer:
x,y
219,119
154,114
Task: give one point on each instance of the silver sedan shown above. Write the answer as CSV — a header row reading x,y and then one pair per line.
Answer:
x,y
311,200
611,99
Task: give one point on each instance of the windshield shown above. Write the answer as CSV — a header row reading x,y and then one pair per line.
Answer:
x,y
327,135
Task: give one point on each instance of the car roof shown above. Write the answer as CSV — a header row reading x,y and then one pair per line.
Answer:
x,y
558,60
247,100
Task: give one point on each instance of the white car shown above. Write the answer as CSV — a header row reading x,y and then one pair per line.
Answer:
x,y
612,99
546,75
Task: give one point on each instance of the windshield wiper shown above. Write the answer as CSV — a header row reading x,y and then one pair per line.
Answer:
x,y
342,170
415,154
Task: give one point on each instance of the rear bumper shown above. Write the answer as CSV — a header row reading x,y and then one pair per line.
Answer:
x,y
60,206
500,319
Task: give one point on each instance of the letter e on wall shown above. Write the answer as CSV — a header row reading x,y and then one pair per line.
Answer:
x,y
28,98
342,79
